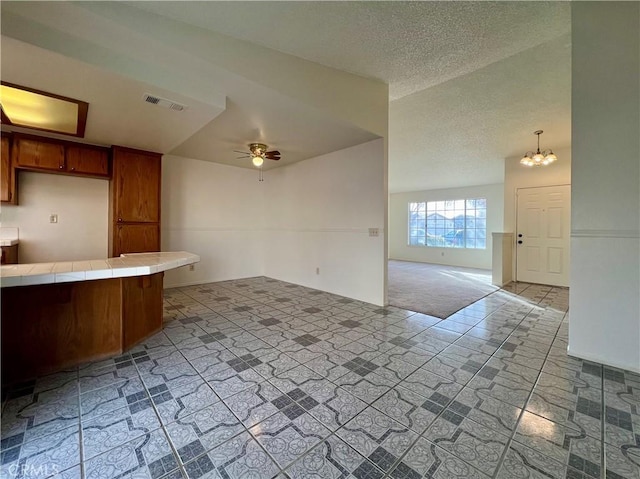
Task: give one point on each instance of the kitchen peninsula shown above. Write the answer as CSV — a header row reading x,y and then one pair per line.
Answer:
x,y
59,315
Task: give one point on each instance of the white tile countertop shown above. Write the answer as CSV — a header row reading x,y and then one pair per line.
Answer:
x,y
132,264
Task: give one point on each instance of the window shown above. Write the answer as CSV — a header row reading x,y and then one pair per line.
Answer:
x,y
449,224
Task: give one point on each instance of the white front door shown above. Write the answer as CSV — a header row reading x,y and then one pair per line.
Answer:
x,y
543,225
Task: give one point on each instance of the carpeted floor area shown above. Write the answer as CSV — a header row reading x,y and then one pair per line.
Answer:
x,y
436,290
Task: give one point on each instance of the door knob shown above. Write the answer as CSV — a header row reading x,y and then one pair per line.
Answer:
x,y
520,235
519,241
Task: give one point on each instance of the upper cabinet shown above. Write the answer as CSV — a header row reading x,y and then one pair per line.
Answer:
x,y
7,174
87,160
135,186
50,155
38,154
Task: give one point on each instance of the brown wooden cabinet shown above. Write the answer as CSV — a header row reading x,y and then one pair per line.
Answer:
x,y
7,173
39,154
134,201
87,160
136,238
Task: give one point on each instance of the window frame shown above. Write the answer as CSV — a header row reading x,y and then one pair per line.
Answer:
x,y
458,216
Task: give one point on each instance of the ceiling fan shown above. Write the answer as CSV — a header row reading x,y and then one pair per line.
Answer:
x,y
258,153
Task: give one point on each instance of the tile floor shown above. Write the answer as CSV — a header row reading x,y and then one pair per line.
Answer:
x,y
260,378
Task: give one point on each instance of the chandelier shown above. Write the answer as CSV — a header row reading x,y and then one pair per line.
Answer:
x,y
538,158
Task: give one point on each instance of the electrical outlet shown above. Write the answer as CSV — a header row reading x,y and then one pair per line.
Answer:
x,y
53,218
192,267
317,270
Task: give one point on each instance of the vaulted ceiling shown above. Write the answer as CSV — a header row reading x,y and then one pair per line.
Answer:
x,y
468,82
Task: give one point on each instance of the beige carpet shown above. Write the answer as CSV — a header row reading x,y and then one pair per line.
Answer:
x,y
435,289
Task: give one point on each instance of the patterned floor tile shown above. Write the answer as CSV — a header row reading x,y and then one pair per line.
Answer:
x,y
114,428
475,444
378,437
34,415
235,378
496,415
325,401
172,375
427,460
296,365
622,462
439,390
287,435
255,404
148,456
368,388
408,408
564,445
200,432
100,401
521,462
333,459
452,369
239,457
175,403
55,452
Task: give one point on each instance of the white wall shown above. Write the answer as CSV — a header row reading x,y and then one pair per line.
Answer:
x,y
317,215
518,176
605,236
82,208
214,211
471,258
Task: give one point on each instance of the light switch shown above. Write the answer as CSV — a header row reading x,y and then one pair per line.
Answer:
x,y
374,232
53,218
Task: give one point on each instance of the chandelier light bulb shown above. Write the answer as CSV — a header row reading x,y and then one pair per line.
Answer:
x,y
257,161
538,159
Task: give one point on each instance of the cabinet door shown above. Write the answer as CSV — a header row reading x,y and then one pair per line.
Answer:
x,y
141,238
29,153
87,161
6,173
137,186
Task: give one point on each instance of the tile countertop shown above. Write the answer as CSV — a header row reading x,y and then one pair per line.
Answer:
x,y
132,264
9,242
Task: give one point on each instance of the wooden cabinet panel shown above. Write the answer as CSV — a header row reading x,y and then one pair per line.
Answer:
x,y
7,174
9,254
86,160
44,155
67,324
136,238
136,186
141,308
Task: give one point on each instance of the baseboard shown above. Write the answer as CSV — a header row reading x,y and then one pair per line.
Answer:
x,y
605,361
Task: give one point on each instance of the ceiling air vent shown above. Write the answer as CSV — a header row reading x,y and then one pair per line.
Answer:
x,y
163,102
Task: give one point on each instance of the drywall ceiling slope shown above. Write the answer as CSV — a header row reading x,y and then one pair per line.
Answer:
x,y
458,133
255,79
117,113
408,45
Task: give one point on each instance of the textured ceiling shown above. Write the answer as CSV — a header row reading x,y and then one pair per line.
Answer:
x,y
469,81
408,45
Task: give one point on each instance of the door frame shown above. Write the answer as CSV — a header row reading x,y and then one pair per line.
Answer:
x,y
515,234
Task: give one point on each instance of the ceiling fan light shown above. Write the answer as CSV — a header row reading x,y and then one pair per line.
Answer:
x,y
257,161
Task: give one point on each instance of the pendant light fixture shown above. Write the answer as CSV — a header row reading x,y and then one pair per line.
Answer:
x,y
538,158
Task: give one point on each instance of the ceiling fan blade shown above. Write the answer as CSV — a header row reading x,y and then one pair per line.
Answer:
x,y
242,157
243,152
275,158
274,152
